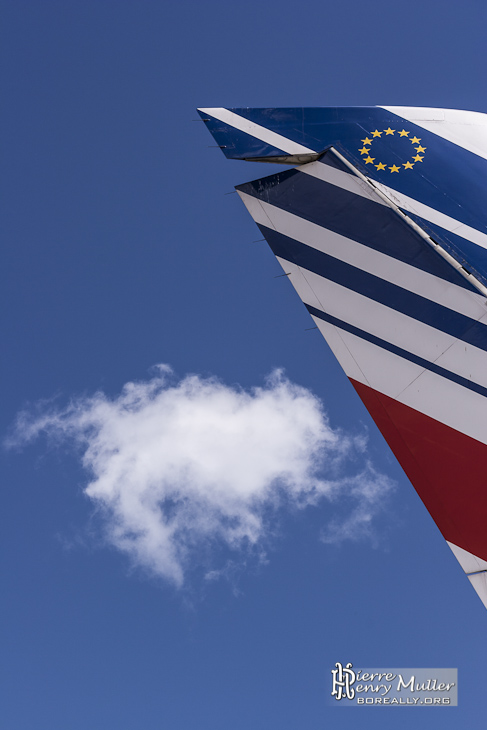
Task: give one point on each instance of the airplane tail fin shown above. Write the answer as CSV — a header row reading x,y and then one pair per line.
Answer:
x,y
400,296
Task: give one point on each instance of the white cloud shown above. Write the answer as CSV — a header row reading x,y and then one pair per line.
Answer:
x,y
177,467
366,496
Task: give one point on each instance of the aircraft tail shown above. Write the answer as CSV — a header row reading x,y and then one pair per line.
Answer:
x,y
389,258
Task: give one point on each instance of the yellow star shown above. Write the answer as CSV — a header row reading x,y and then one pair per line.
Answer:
x,y
418,158
394,168
380,166
364,151
408,165
416,140
376,133
369,160
389,131
420,149
366,141
403,133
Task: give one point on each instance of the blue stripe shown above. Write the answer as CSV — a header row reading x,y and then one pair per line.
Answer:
x,y
352,216
469,254
379,290
426,364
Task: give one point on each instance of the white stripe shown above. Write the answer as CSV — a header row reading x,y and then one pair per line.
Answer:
x,y
472,564
479,582
427,393
445,401
367,259
341,179
464,128
394,327
256,130
469,562
362,361
434,216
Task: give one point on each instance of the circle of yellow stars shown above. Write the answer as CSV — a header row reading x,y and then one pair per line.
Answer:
x,y
369,160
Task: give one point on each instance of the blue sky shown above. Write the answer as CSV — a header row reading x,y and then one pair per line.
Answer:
x,y
122,251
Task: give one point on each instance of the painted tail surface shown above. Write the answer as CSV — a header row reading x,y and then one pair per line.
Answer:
x,y
383,235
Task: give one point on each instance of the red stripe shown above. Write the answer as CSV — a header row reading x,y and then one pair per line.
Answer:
x,y
447,468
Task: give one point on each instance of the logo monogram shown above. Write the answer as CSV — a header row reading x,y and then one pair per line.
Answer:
x,y
343,679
